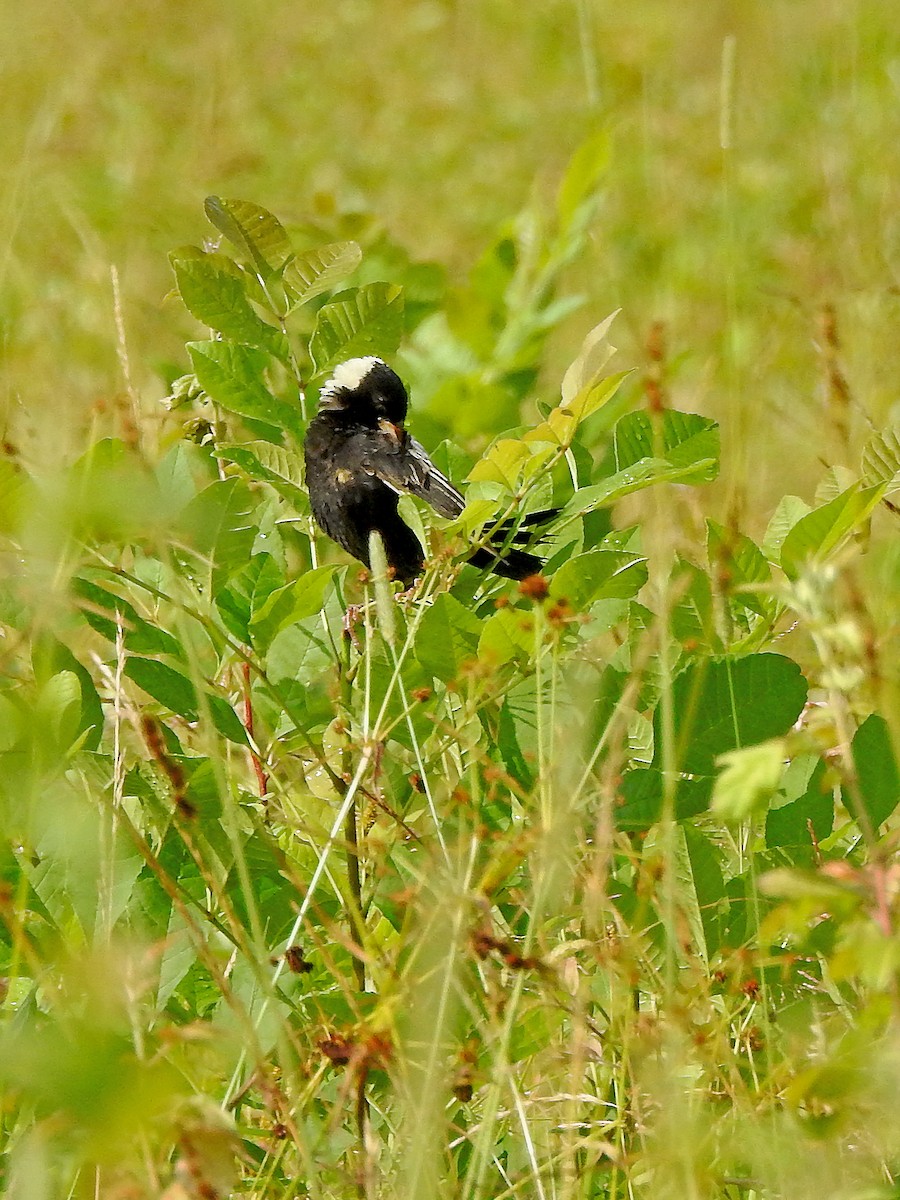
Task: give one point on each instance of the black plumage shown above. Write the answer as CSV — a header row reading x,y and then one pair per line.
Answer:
x,y
359,461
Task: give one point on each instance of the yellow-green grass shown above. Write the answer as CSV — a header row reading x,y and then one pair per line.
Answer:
x,y
441,118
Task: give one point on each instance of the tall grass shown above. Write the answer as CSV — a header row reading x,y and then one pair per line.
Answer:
x,y
576,890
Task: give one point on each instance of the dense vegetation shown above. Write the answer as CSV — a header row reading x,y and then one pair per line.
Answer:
x,y
584,887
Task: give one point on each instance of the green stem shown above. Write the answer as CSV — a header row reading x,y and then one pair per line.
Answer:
x,y
351,821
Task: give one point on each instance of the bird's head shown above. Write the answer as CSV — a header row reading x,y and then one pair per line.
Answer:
x,y
368,391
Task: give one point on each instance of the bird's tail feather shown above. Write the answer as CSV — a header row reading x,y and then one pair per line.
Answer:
x,y
502,557
510,564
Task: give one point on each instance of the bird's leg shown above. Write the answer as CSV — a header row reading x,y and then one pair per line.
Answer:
x,y
352,618
411,592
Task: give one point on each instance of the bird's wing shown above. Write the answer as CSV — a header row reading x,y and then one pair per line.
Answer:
x,y
406,467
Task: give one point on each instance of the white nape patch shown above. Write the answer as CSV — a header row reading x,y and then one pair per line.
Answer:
x,y
350,374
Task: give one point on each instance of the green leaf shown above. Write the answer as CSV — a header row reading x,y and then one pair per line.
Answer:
x,y
141,637
561,425
528,710
202,791
226,720
448,637
693,616
507,635
834,482
594,395
219,524
644,474
468,404
691,447
599,575
112,495
281,468
177,957
583,174
731,703
881,459
876,771
175,473
701,873
511,461
507,741
818,533
309,275
271,894
233,376
177,693
641,798
287,605
587,368
789,511
57,711
127,865
366,320
536,1029
745,566
748,780
12,723
485,297
683,439
252,230
246,593
166,685
789,824
299,653
50,657
213,290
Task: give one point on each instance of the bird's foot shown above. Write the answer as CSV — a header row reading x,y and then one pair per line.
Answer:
x,y
352,617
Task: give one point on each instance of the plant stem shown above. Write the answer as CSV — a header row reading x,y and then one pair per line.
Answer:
x,y
351,829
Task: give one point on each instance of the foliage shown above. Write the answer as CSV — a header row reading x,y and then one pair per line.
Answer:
x,y
567,888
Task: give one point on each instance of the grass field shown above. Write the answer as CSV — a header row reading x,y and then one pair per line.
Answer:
x,y
441,120
583,889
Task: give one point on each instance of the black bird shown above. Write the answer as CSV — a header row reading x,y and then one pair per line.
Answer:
x,y
360,460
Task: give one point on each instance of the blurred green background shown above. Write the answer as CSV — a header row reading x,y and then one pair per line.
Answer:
x,y
751,200
443,118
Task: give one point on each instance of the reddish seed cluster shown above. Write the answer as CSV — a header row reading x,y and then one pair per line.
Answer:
x,y
175,775
296,961
485,944
560,612
463,1081
535,587
461,796
337,1049
363,1055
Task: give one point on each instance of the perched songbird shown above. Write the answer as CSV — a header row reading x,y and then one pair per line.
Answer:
x,y
360,460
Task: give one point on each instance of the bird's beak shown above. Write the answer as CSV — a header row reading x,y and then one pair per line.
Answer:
x,y
391,431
